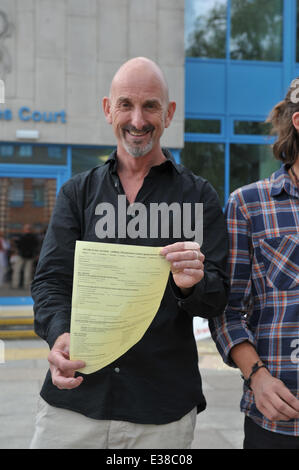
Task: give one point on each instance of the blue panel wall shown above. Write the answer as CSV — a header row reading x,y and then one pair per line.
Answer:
x,y
205,86
253,88
250,87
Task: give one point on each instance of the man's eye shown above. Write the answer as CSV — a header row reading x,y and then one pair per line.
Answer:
x,y
152,106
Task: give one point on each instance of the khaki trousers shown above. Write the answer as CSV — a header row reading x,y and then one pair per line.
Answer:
x,y
18,264
57,428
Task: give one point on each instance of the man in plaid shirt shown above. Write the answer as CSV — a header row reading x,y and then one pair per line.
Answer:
x,y
259,330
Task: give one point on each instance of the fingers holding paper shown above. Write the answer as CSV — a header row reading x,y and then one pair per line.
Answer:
x,y
187,263
62,369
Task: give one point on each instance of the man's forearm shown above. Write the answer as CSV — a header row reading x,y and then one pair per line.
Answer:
x,y
272,397
245,356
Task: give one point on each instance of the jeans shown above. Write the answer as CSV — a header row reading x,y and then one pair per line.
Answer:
x,y
257,437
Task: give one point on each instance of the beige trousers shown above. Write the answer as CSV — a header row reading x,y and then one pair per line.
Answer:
x,y
58,428
18,264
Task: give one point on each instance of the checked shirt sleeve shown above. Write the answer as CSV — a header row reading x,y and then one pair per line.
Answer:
x,y
231,328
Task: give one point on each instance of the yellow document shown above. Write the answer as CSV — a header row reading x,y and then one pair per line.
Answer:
x,y
117,291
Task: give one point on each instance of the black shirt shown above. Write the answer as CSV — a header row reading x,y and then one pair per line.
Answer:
x,y
157,381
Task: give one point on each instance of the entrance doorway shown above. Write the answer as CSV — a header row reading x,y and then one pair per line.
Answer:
x,y
26,205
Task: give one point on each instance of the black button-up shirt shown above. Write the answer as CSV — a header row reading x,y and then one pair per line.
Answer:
x,y
157,381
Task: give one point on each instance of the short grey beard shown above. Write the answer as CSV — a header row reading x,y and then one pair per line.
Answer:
x,y
137,152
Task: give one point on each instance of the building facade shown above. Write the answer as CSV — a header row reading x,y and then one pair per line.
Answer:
x,y
57,59
241,56
227,62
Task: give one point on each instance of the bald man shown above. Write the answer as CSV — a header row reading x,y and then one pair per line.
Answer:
x,y
149,397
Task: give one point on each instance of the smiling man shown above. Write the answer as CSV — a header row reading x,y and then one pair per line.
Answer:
x,y
149,397
139,109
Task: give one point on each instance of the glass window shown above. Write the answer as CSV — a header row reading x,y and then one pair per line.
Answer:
x,y
206,160
24,201
85,158
25,151
6,150
16,192
55,152
256,30
33,154
38,192
203,126
252,127
249,163
205,28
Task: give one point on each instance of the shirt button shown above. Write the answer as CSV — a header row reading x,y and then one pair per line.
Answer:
x,y
117,370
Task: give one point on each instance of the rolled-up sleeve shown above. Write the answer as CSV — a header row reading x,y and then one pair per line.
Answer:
x,y
231,328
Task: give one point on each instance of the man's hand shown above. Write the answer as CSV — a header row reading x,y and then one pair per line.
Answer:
x,y
273,399
62,369
186,263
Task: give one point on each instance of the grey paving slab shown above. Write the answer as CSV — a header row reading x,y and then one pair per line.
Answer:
x,y
220,426
211,440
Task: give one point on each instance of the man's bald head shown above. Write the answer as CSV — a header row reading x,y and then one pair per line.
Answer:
x,y
140,68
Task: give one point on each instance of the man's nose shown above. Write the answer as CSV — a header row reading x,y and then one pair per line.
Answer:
x,y
137,118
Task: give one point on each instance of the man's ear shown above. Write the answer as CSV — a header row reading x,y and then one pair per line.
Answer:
x,y
295,120
107,109
170,113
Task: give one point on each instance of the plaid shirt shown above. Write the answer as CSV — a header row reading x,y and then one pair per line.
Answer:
x,y
263,306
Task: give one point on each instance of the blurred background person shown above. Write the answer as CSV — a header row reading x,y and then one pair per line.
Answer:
x,y
27,245
4,247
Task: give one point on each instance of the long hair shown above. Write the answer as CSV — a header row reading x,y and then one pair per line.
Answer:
x,y
286,147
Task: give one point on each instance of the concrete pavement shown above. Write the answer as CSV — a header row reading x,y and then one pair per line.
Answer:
x,y
22,374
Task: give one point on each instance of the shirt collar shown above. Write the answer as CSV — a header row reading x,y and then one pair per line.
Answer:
x,y
112,161
281,181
